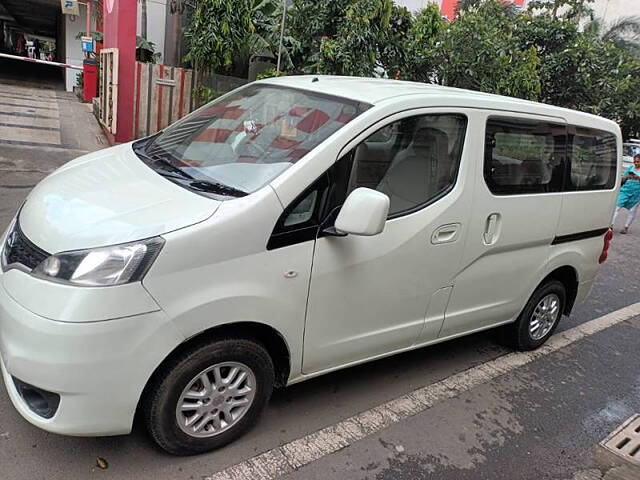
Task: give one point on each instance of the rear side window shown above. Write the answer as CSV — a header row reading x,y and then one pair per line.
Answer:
x,y
524,156
592,159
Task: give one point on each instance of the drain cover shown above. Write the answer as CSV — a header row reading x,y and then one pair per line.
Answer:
x,y
625,440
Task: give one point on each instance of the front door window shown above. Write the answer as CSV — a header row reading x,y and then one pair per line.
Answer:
x,y
413,161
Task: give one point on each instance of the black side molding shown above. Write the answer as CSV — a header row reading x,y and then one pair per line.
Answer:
x,y
573,237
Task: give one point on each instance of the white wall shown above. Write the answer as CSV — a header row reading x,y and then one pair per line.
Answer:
x,y
156,21
416,5
73,48
611,10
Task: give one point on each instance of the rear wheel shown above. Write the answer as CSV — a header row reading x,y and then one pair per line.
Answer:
x,y
209,396
540,316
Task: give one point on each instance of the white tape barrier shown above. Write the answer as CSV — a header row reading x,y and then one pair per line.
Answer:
x,y
44,62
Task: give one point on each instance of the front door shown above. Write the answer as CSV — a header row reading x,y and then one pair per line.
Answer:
x,y
369,295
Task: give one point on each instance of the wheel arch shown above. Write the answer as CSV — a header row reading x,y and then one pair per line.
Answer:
x,y
568,276
273,341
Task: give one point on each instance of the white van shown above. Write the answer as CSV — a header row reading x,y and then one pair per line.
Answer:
x,y
293,227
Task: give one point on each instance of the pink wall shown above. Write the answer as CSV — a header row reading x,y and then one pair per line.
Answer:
x,y
120,32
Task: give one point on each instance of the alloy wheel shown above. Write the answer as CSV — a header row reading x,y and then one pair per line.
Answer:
x,y
216,399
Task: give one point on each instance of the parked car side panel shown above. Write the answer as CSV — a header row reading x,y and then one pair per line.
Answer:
x,y
66,303
214,274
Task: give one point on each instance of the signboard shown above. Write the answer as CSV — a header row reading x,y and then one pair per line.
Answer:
x,y
70,7
87,44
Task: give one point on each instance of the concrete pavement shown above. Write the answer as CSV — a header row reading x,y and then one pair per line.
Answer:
x,y
41,128
542,420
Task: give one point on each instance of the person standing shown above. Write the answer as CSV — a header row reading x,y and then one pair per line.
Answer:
x,y
629,196
36,49
21,46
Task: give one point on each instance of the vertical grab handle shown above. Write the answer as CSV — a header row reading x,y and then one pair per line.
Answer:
x,y
490,230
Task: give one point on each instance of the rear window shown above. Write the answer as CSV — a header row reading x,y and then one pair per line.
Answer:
x,y
524,156
246,139
592,159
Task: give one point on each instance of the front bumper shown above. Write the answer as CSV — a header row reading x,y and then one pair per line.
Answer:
x,y
99,369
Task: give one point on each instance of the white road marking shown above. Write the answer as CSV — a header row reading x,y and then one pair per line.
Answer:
x,y
302,451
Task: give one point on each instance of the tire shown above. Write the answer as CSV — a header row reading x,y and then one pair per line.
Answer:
x,y
182,381
523,335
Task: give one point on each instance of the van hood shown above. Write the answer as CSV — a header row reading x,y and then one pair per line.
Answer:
x,y
105,198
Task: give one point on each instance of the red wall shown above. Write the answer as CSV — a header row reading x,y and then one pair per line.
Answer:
x,y
448,7
120,32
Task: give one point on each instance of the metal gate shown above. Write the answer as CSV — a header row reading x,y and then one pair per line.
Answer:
x,y
163,95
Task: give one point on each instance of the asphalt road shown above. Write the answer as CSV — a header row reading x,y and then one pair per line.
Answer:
x,y
541,421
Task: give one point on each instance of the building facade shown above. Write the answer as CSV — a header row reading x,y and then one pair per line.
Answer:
x,y
611,10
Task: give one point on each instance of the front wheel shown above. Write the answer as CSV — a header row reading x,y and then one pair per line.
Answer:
x,y
209,396
540,316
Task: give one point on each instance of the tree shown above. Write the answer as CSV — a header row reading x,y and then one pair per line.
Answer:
x,y
357,46
225,33
590,70
219,30
479,51
624,33
422,36
311,22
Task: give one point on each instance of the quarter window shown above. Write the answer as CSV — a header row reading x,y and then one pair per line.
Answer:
x,y
523,156
593,159
414,160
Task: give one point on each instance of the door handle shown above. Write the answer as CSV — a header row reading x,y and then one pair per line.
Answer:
x,y
490,235
446,234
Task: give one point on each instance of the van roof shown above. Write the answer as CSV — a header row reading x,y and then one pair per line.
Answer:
x,y
377,90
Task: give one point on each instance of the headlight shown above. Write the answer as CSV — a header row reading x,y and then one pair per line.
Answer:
x,y
4,239
105,266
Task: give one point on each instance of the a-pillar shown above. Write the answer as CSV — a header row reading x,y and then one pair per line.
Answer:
x,y
119,19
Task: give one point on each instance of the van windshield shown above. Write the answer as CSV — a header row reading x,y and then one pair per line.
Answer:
x,y
239,143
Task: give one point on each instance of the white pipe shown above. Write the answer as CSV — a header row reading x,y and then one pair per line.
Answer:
x,y
284,14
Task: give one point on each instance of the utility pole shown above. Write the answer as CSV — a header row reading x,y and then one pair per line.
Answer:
x,y
284,14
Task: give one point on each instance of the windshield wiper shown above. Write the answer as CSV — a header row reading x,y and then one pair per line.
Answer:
x,y
172,168
140,149
172,171
215,187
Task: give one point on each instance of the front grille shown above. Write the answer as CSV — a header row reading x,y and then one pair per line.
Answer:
x,y
18,249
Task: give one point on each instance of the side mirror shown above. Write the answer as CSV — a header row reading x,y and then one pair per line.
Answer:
x,y
364,213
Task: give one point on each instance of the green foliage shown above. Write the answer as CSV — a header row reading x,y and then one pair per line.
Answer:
x,y
357,46
219,30
541,54
425,31
146,50
590,70
491,60
225,34
311,22
268,74
204,94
